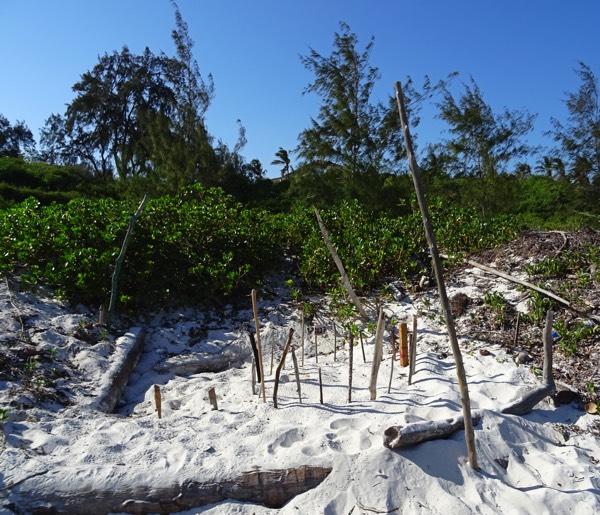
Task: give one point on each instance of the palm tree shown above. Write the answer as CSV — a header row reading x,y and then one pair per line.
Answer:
x,y
545,166
549,166
283,159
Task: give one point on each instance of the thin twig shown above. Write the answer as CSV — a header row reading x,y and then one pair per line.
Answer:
x,y
375,510
24,336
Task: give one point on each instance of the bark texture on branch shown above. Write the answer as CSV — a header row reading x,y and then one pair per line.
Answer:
x,y
271,488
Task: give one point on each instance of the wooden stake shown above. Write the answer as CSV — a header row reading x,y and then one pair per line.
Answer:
x,y
102,316
439,276
259,373
403,344
350,359
362,346
297,372
334,342
272,351
518,326
280,366
547,336
253,376
260,355
316,347
340,267
212,397
412,353
302,335
393,345
157,400
320,386
377,355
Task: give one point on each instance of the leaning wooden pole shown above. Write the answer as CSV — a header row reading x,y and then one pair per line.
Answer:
x,y
439,276
340,267
119,261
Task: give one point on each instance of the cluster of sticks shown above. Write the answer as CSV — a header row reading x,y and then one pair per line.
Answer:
x,y
406,349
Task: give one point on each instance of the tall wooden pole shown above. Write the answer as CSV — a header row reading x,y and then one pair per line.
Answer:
x,y
439,276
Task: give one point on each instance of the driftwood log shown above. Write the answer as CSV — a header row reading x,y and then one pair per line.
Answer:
x,y
195,363
271,488
128,349
396,437
402,436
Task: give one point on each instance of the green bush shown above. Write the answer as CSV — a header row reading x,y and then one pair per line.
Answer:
x,y
184,249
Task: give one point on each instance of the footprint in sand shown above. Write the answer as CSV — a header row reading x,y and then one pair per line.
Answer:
x,y
285,440
352,423
351,435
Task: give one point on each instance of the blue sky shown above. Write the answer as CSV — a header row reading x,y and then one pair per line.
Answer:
x,y
521,53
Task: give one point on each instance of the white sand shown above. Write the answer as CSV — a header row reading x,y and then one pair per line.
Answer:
x,y
527,467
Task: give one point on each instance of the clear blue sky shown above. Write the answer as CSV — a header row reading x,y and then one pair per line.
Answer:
x,y
521,53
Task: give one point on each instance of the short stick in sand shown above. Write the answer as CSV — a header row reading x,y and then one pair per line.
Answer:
x,y
334,342
403,343
320,386
393,345
350,359
362,346
280,366
260,354
297,372
302,334
212,397
272,352
412,353
256,357
377,355
157,400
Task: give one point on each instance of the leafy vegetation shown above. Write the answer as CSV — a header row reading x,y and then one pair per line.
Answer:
x,y
185,248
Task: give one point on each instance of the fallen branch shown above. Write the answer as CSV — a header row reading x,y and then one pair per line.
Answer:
x,y
515,280
529,285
